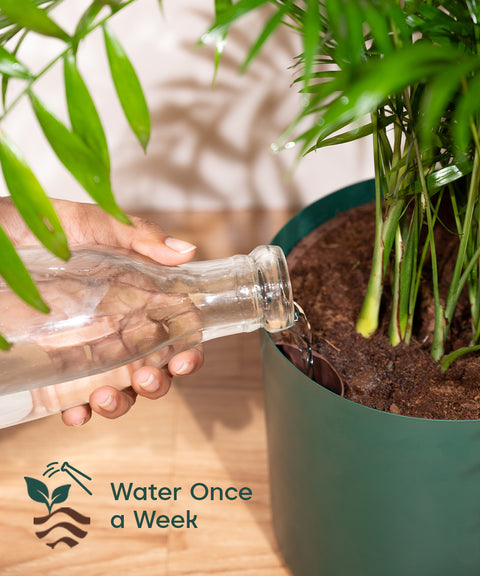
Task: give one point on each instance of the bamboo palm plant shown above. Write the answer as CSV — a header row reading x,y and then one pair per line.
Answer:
x,y
404,72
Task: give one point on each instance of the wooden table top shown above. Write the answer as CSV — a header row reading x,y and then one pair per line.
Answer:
x,y
207,433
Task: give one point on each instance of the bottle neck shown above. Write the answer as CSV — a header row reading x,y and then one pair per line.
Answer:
x,y
275,290
243,293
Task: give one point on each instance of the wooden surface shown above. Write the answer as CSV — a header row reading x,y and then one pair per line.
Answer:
x,y
208,430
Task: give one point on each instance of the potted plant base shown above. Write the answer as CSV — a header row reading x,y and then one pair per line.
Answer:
x,y
359,491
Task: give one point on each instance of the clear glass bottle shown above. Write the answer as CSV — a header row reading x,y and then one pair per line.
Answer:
x,y
110,309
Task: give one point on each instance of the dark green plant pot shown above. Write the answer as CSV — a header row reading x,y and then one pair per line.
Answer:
x,y
356,491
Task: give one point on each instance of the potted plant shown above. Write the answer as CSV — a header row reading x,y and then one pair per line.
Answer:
x,y
357,490
354,490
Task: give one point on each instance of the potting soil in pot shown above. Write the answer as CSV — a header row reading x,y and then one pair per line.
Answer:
x,y
329,270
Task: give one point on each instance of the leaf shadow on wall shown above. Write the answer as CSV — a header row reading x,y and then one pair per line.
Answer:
x,y
210,146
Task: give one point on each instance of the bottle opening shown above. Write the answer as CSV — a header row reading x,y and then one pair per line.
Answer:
x,y
275,288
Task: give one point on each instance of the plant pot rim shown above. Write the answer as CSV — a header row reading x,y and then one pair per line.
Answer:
x,y
291,233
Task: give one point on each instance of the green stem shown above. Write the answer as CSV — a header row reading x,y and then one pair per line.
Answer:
x,y
367,321
449,358
438,331
394,331
453,292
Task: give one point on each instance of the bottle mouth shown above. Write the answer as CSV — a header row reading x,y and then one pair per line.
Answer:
x,y
275,289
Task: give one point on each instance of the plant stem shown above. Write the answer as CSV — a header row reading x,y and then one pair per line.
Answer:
x,y
453,292
438,331
367,321
394,331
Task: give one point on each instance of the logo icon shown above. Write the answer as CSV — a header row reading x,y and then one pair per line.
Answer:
x,y
64,524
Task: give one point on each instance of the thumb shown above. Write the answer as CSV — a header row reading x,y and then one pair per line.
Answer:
x,y
151,241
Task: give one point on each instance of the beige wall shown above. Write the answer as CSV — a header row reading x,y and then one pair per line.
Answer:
x,y
210,149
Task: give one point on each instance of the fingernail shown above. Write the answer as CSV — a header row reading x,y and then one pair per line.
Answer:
x,y
151,384
180,246
109,403
81,423
184,368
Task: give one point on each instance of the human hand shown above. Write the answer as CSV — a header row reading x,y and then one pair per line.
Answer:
x,y
87,224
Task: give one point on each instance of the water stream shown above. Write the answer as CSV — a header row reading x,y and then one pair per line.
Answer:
x,y
296,344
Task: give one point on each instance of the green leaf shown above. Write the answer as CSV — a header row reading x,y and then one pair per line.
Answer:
x,y
474,10
87,20
16,275
220,37
6,78
10,66
378,80
226,17
346,20
30,199
83,114
266,33
128,88
352,135
60,494
4,344
38,491
311,30
439,93
27,14
379,29
78,159
467,109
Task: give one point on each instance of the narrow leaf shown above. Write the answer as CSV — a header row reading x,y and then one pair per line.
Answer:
x,y
225,18
83,114
378,80
87,20
266,33
352,135
346,20
37,490
5,78
4,344
439,93
311,30
60,494
220,37
27,14
16,275
129,90
30,199
10,66
467,108
78,159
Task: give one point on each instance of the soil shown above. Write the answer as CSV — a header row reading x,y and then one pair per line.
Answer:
x,y
329,271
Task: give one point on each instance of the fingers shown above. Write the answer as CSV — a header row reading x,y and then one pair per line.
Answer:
x,y
186,362
77,416
112,403
147,381
151,382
